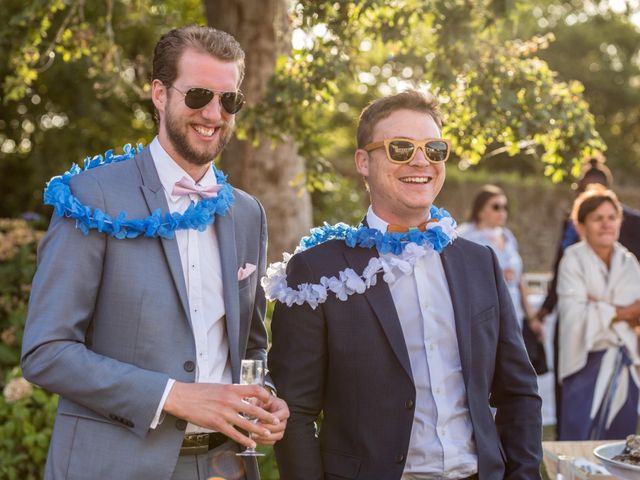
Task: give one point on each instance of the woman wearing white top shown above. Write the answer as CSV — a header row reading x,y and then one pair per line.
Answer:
x,y
599,309
486,226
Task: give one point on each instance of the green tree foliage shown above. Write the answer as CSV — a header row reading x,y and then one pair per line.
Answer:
x,y
599,47
498,94
75,81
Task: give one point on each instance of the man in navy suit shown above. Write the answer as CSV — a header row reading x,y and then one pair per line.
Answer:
x,y
401,370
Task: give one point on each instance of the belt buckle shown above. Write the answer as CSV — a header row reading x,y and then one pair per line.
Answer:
x,y
200,444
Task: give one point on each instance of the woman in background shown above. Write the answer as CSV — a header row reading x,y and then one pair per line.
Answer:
x,y
599,308
486,226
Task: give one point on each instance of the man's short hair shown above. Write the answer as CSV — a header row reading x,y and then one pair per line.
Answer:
x,y
172,45
383,107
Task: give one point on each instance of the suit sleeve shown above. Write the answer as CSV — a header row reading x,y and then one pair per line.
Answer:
x,y
298,364
55,353
258,342
514,394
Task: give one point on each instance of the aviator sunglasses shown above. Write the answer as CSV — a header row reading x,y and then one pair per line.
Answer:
x,y
197,98
402,150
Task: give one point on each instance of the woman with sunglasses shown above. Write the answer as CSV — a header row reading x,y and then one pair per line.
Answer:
x,y
599,312
486,226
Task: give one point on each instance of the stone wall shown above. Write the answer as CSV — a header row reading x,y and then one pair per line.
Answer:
x,y
536,213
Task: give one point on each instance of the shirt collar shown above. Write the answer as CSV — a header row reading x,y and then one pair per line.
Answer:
x,y
376,222
170,172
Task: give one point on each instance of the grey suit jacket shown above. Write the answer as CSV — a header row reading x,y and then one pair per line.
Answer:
x,y
109,324
348,360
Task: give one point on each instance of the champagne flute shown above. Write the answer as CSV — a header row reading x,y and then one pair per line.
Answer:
x,y
565,467
251,373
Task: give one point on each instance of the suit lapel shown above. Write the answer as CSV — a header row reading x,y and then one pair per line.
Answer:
x,y
379,297
155,198
225,232
457,280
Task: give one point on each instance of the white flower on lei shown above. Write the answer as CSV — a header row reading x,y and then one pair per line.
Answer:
x,y
348,282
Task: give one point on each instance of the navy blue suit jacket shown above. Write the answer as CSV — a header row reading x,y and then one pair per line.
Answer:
x,y
348,361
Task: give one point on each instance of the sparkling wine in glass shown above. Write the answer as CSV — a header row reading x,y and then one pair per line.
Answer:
x,y
251,373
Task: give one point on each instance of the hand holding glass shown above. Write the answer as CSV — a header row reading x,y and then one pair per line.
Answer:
x,y
251,373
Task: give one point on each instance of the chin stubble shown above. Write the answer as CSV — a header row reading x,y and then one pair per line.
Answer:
x,y
185,150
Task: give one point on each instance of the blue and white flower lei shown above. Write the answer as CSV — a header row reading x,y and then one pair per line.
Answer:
x,y
399,252
197,216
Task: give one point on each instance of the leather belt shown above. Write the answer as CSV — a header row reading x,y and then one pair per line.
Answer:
x,y
199,443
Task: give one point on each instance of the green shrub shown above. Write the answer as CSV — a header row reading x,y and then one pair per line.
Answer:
x,y
18,241
26,420
26,411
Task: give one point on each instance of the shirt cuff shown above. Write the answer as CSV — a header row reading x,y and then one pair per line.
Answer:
x,y
159,416
272,389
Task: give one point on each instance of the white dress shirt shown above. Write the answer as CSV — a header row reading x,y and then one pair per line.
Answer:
x,y
200,259
441,443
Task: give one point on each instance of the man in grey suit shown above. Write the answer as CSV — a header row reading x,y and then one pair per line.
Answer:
x,y
143,307
400,334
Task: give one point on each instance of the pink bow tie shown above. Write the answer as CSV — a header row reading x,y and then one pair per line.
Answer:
x,y
185,186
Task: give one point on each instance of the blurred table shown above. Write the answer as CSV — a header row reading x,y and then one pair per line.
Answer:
x,y
551,451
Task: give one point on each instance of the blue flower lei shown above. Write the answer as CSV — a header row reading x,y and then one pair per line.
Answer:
x,y
197,216
385,242
403,248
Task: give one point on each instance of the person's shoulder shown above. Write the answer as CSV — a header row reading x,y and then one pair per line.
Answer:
x,y
625,253
324,260
324,256
115,173
630,214
112,180
510,236
324,250
246,202
470,245
576,250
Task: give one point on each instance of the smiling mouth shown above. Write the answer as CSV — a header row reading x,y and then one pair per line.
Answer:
x,y
416,180
205,131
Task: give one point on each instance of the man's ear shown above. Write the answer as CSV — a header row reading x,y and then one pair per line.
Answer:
x,y
158,95
362,158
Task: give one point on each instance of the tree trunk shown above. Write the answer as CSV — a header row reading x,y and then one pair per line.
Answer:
x,y
262,28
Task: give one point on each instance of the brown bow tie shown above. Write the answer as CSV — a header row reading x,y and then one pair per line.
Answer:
x,y
400,229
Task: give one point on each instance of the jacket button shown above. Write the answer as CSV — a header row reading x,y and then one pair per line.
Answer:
x,y
189,366
399,458
181,424
408,404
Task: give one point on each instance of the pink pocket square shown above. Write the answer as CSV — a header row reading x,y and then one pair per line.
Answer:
x,y
248,269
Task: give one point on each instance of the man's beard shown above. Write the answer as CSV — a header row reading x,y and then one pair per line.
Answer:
x,y
186,151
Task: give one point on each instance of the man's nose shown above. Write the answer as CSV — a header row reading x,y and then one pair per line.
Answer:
x,y
419,159
213,109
